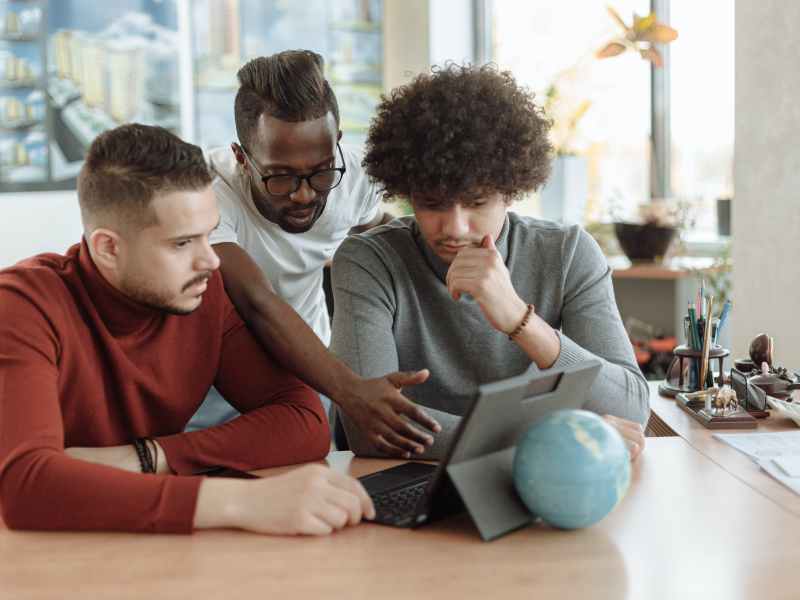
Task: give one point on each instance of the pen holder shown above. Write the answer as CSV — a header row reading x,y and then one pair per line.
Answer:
x,y
701,330
683,372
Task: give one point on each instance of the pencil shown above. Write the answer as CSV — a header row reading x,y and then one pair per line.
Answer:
x,y
706,344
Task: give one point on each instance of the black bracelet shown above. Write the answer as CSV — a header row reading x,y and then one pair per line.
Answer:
x,y
155,454
143,452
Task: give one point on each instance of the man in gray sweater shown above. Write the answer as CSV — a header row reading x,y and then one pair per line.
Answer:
x,y
465,288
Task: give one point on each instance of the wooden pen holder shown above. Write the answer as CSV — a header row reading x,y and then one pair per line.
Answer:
x,y
685,362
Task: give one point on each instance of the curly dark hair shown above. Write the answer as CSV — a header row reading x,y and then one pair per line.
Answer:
x,y
458,133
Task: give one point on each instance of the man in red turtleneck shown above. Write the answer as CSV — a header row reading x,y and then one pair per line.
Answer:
x,y
115,345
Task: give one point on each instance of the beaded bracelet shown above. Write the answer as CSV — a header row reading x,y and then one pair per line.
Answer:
x,y
143,452
522,324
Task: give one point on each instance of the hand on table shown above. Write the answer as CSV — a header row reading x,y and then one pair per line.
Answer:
x,y
631,432
310,500
378,408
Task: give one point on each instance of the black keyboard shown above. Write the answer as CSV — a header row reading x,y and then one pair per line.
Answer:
x,y
398,507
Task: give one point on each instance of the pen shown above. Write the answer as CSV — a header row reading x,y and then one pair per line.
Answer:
x,y
695,332
706,345
726,308
702,297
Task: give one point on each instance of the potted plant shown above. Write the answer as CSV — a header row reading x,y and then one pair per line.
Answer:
x,y
649,238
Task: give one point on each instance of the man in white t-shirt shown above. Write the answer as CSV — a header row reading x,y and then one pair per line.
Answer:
x,y
288,195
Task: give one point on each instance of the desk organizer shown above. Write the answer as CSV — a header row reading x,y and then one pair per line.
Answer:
x,y
695,406
685,361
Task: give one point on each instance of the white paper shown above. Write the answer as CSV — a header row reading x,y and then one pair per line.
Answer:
x,y
793,483
777,453
790,465
758,446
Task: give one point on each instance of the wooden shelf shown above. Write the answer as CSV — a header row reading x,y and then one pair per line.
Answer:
x,y
677,268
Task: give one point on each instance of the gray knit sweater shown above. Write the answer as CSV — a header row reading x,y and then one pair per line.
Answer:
x,y
393,312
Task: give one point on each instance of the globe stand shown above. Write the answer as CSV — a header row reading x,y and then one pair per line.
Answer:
x,y
486,487
480,461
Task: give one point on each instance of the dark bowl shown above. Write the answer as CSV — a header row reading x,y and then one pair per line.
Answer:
x,y
644,243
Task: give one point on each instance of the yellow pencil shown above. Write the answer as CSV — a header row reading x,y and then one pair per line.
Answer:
x,y
706,343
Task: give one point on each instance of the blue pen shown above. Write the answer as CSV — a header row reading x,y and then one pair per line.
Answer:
x,y
726,308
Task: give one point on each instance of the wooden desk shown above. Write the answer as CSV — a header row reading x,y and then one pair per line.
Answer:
x,y
733,461
684,522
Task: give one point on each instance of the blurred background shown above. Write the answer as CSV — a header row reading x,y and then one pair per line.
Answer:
x,y
641,93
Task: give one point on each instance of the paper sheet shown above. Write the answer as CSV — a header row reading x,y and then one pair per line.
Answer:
x,y
777,453
764,445
790,465
793,483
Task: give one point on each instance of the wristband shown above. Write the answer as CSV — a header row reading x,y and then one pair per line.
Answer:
x,y
522,324
145,458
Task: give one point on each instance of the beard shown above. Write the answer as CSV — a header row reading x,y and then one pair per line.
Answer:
x,y
289,227
159,301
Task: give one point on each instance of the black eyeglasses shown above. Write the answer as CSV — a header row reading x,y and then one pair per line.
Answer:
x,y
322,180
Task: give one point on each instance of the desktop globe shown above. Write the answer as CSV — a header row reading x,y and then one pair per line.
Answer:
x,y
571,468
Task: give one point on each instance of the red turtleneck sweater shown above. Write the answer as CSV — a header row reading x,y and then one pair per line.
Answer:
x,y
83,365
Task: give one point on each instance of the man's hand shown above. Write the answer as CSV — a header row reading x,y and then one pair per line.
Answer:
x,y
631,432
310,500
378,408
481,273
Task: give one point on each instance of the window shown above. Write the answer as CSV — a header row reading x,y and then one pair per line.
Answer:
x,y
553,44
70,70
545,43
701,106
228,33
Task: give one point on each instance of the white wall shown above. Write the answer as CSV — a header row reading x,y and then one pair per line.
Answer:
x,y
766,207
406,44
421,33
37,222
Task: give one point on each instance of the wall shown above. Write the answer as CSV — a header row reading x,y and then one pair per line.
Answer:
x,y
766,208
406,45
421,33
37,222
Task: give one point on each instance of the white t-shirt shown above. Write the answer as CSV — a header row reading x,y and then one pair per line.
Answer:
x,y
292,262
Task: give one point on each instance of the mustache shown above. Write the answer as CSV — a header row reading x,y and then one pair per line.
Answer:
x,y
313,206
199,279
